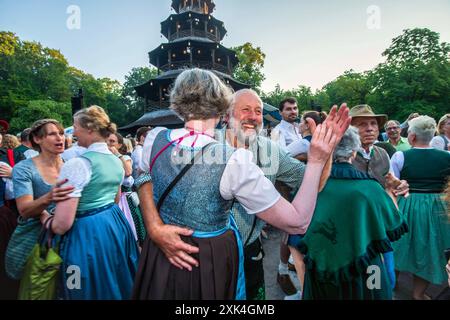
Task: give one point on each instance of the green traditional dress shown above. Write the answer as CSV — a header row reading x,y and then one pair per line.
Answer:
x,y
353,225
421,252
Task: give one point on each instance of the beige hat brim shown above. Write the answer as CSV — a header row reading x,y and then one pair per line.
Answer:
x,y
381,119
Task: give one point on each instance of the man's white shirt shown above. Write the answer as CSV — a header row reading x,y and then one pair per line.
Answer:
x,y
286,133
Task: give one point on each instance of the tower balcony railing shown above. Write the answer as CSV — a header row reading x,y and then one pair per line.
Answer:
x,y
193,33
187,64
194,8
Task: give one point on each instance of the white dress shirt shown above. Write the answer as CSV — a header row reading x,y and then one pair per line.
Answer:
x,y
286,133
136,156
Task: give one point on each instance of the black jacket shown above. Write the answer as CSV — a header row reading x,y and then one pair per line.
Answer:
x,y
18,156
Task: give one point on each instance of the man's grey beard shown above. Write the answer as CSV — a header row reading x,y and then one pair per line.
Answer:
x,y
244,139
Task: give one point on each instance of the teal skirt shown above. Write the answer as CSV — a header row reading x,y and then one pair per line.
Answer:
x,y
100,257
421,251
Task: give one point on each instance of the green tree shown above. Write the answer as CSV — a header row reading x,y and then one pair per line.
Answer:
x,y
250,67
302,94
26,115
94,91
29,71
115,104
136,106
417,46
414,78
351,87
322,99
422,88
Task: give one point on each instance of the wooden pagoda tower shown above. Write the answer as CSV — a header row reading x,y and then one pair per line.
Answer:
x,y
194,40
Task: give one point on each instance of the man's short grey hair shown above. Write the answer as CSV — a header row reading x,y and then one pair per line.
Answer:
x,y
424,128
241,92
350,143
200,95
397,123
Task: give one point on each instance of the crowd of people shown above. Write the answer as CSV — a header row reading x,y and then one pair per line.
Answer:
x,y
178,214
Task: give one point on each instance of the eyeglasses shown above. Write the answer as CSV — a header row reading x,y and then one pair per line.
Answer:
x,y
392,128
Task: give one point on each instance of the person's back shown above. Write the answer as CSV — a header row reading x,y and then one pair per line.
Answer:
x,y
107,175
22,148
353,224
422,177
136,156
202,208
96,235
11,157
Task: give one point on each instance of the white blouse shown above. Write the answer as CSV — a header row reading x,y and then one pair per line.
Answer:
x,y
439,143
78,171
128,181
241,179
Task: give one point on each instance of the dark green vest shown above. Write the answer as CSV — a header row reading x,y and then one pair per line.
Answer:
x,y
377,167
426,170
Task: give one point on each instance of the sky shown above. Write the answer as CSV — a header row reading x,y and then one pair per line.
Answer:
x,y
306,42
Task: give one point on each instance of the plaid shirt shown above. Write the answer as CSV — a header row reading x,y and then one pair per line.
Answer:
x,y
277,165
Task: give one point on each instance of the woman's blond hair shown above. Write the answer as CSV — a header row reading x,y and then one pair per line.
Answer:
x,y
10,141
442,123
128,145
95,118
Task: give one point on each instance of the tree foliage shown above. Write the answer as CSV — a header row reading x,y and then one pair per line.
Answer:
x,y
35,79
302,94
414,78
38,82
250,67
41,109
29,71
416,46
136,77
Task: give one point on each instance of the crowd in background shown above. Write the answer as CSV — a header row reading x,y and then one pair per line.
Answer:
x,y
141,225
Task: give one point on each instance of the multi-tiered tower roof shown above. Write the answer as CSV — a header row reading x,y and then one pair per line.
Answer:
x,y
194,40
